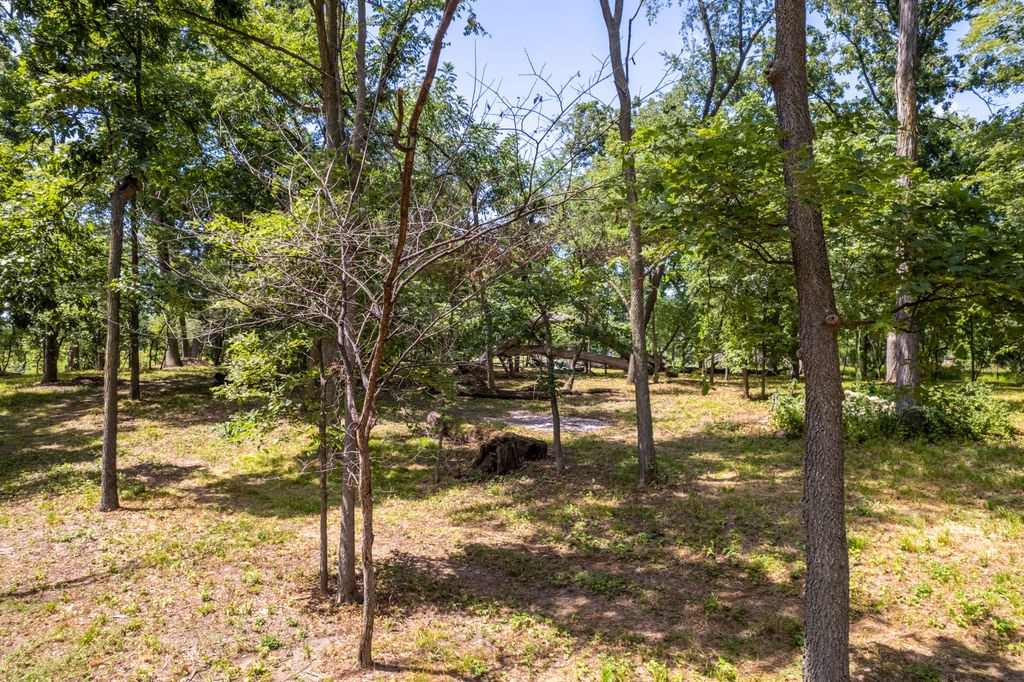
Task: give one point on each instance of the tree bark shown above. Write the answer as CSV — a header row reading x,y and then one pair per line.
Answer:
x,y
826,608
185,347
73,363
51,353
904,341
123,194
346,592
172,354
323,461
646,462
556,422
135,390
485,309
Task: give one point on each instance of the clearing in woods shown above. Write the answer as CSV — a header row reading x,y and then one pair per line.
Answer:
x,y
210,570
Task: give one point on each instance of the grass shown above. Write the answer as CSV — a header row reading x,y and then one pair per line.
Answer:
x,y
210,571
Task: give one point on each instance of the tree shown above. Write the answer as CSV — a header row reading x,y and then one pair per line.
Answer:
x,y
826,609
646,463
902,345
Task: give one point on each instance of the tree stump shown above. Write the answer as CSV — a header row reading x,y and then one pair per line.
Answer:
x,y
507,452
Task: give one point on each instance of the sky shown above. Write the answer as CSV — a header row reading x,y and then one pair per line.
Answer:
x,y
562,38
557,39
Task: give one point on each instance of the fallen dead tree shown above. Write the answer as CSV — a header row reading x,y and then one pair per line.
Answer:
x,y
567,354
526,393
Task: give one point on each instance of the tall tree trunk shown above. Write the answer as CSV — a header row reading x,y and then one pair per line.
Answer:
x,y
172,353
322,451
905,340
646,462
185,348
346,589
123,194
485,309
74,362
135,391
826,609
974,375
51,353
654,346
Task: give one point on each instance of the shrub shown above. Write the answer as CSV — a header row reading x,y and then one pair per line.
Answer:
x,y
867,416
967,412
787,411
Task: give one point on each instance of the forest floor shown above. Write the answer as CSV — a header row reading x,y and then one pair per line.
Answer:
x,y
210,570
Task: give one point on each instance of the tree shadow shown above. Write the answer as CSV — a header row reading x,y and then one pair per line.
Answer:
x,y
945,659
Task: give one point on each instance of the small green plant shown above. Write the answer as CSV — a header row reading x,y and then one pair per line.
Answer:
x,y
269,643
615,669
724,671
601,582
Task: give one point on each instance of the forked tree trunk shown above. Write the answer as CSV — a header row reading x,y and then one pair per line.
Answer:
x,y
646,462
123,194
826,608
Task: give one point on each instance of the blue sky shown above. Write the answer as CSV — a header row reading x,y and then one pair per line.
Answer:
x,y
561,38
565,37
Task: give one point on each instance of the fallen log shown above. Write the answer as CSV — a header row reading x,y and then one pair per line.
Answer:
x,y
567,354
507,452
527,393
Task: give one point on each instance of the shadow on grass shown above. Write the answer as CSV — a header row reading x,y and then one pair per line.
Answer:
x,y
949,659
46,432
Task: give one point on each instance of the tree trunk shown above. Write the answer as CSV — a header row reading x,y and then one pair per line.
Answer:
x,y
905,341
746,382
646,462
122,195
185,348
572,368
826,608
51,353
556,422
764,373
485,309
73,363
346,589
172,354
974,375
135,391
323,461
389,290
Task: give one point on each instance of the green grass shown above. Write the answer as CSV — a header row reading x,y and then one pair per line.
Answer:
x,y
527,576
